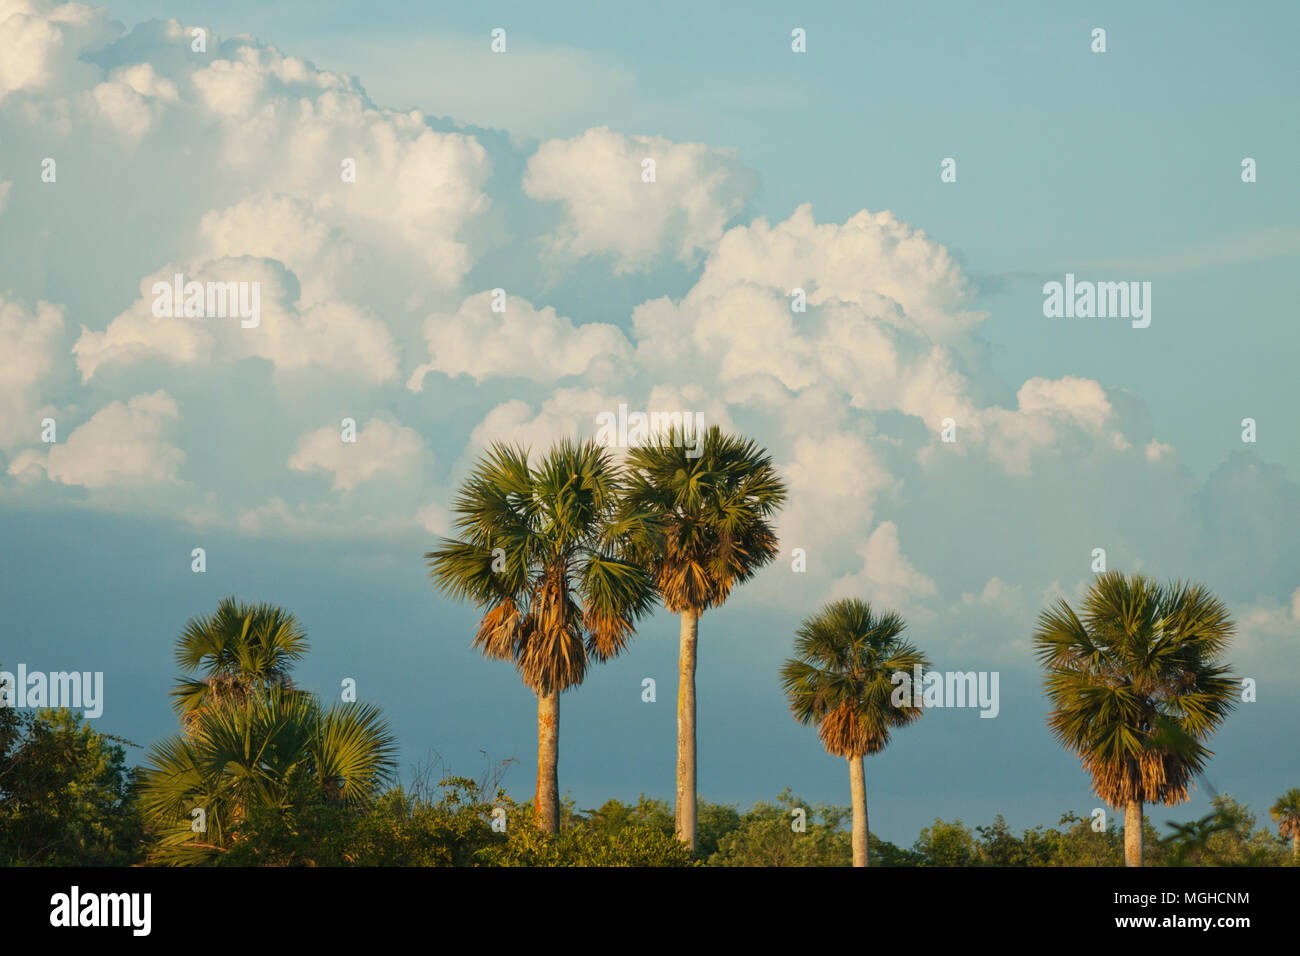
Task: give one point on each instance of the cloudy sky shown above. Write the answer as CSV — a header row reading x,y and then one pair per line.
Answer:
x,y
128,156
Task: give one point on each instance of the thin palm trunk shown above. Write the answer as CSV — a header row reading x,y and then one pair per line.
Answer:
x,y
547,801
1133,833
1295,845
858,787
685,812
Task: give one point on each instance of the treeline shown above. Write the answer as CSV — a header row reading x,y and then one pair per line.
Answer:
x,y
563,555
68,798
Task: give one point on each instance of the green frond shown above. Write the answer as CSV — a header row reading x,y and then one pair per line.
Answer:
x,y
843,676
1136,684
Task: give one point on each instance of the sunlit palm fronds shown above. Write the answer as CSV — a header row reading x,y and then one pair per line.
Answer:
x,y
842,678
258,754
238,650
1286,813
537,551
702,525
1136,683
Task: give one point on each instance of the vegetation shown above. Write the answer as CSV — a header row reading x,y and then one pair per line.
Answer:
x,y
843,681
1137,687
697,515
1286,813
562,558
254,753
537,553
66,795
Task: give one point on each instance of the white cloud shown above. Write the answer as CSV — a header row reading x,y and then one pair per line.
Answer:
x,y
121,444
997,594
1267,641
334,336
381,448
567,413
879,296
434,518
887,578
42,43
522,342
412,183
30,348
610,210
287,229
1157,451
833,482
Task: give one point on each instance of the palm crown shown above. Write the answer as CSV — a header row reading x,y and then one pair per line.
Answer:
x,y
267,751
239,649
843,677
537,549
1286,813
1136,683
700,525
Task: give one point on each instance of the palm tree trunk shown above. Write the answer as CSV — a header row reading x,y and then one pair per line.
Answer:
x,y
858,787
1133,833
1295,845
547,802
685,813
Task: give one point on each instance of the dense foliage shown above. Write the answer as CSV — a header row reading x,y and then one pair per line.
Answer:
x,y
66,795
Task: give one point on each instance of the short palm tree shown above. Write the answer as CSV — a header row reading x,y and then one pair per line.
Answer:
x,y
1287,814
842,679
536,551
1137,686
238,650
698,517
270,750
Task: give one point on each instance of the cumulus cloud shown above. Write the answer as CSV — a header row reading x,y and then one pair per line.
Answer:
x,y
381,448
886,578
121,445
610,209
847,395
879,297
1267,641
434,518
289,230
30,348
833,482
248,119
43,42
567,413
370,166
522,342
334,336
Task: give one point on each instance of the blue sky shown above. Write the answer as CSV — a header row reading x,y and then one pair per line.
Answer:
x,y
521,171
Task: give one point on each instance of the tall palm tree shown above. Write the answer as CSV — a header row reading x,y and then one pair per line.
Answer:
x,y
1137,686
698,517
1287,814
238,650
537,552
269,750
842,679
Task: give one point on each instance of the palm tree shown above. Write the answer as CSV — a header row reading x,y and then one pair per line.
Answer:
x,y
239,650
843,680
271,750
537,552
1287,814
1137,687
699,519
